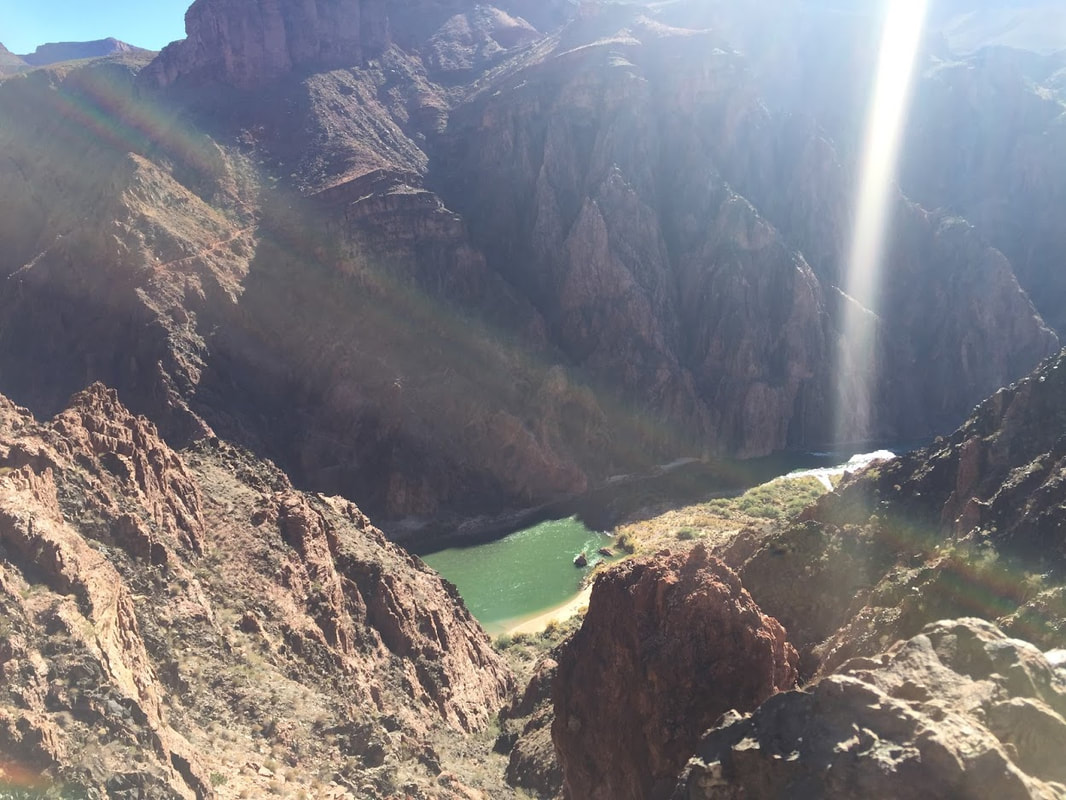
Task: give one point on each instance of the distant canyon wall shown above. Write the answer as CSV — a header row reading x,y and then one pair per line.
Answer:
x,y
498,260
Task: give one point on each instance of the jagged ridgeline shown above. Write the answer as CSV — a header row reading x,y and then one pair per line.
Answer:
x,y
166,615
450,260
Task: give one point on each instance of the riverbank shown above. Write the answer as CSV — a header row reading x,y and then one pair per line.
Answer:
x,y
556,615
616,500
526,581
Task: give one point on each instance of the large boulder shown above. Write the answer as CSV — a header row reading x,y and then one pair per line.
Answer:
x,y
959,711
668,645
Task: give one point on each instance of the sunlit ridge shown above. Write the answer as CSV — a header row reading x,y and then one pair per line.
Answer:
x,y
856,364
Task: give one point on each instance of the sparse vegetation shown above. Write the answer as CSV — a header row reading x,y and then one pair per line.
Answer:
x,y
717,520
781,498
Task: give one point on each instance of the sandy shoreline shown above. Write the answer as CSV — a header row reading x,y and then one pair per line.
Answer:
x,y
558,614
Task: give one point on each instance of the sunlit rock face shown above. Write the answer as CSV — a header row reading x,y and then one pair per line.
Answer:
x,y
150,597
958,711
249,44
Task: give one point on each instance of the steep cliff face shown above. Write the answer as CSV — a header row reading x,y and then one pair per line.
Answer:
x,y
667,647
684,231
249,44
150,597
1004,171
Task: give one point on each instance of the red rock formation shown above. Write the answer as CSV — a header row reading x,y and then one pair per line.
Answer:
x,y
141,588
668,645
98,616
249,44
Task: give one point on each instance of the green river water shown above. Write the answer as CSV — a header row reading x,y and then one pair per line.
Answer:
x,y
523,575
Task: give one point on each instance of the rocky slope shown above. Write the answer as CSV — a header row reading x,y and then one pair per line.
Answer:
x,y
970,526
10,63
957,711
622,238
179,623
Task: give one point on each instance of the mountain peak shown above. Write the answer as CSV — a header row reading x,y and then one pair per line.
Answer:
x,y
9,62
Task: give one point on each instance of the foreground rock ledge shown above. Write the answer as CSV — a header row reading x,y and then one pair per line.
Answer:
x,y
959,711
668,645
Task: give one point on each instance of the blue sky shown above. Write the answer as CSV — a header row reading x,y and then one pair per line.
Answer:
x,y
24,24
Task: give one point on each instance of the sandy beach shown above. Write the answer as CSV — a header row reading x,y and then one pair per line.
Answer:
x,y
558,614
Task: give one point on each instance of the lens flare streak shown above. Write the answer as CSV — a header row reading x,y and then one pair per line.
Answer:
x,y
856,376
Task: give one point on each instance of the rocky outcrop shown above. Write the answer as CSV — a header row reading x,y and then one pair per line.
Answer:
x,y
532,763
668,645
960,711
249,44
152,599
995,480
997,477
473,40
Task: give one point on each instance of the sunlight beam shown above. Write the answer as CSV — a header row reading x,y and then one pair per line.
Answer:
x,y
856,364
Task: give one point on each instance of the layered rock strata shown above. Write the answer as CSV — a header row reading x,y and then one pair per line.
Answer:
x,y
249,44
